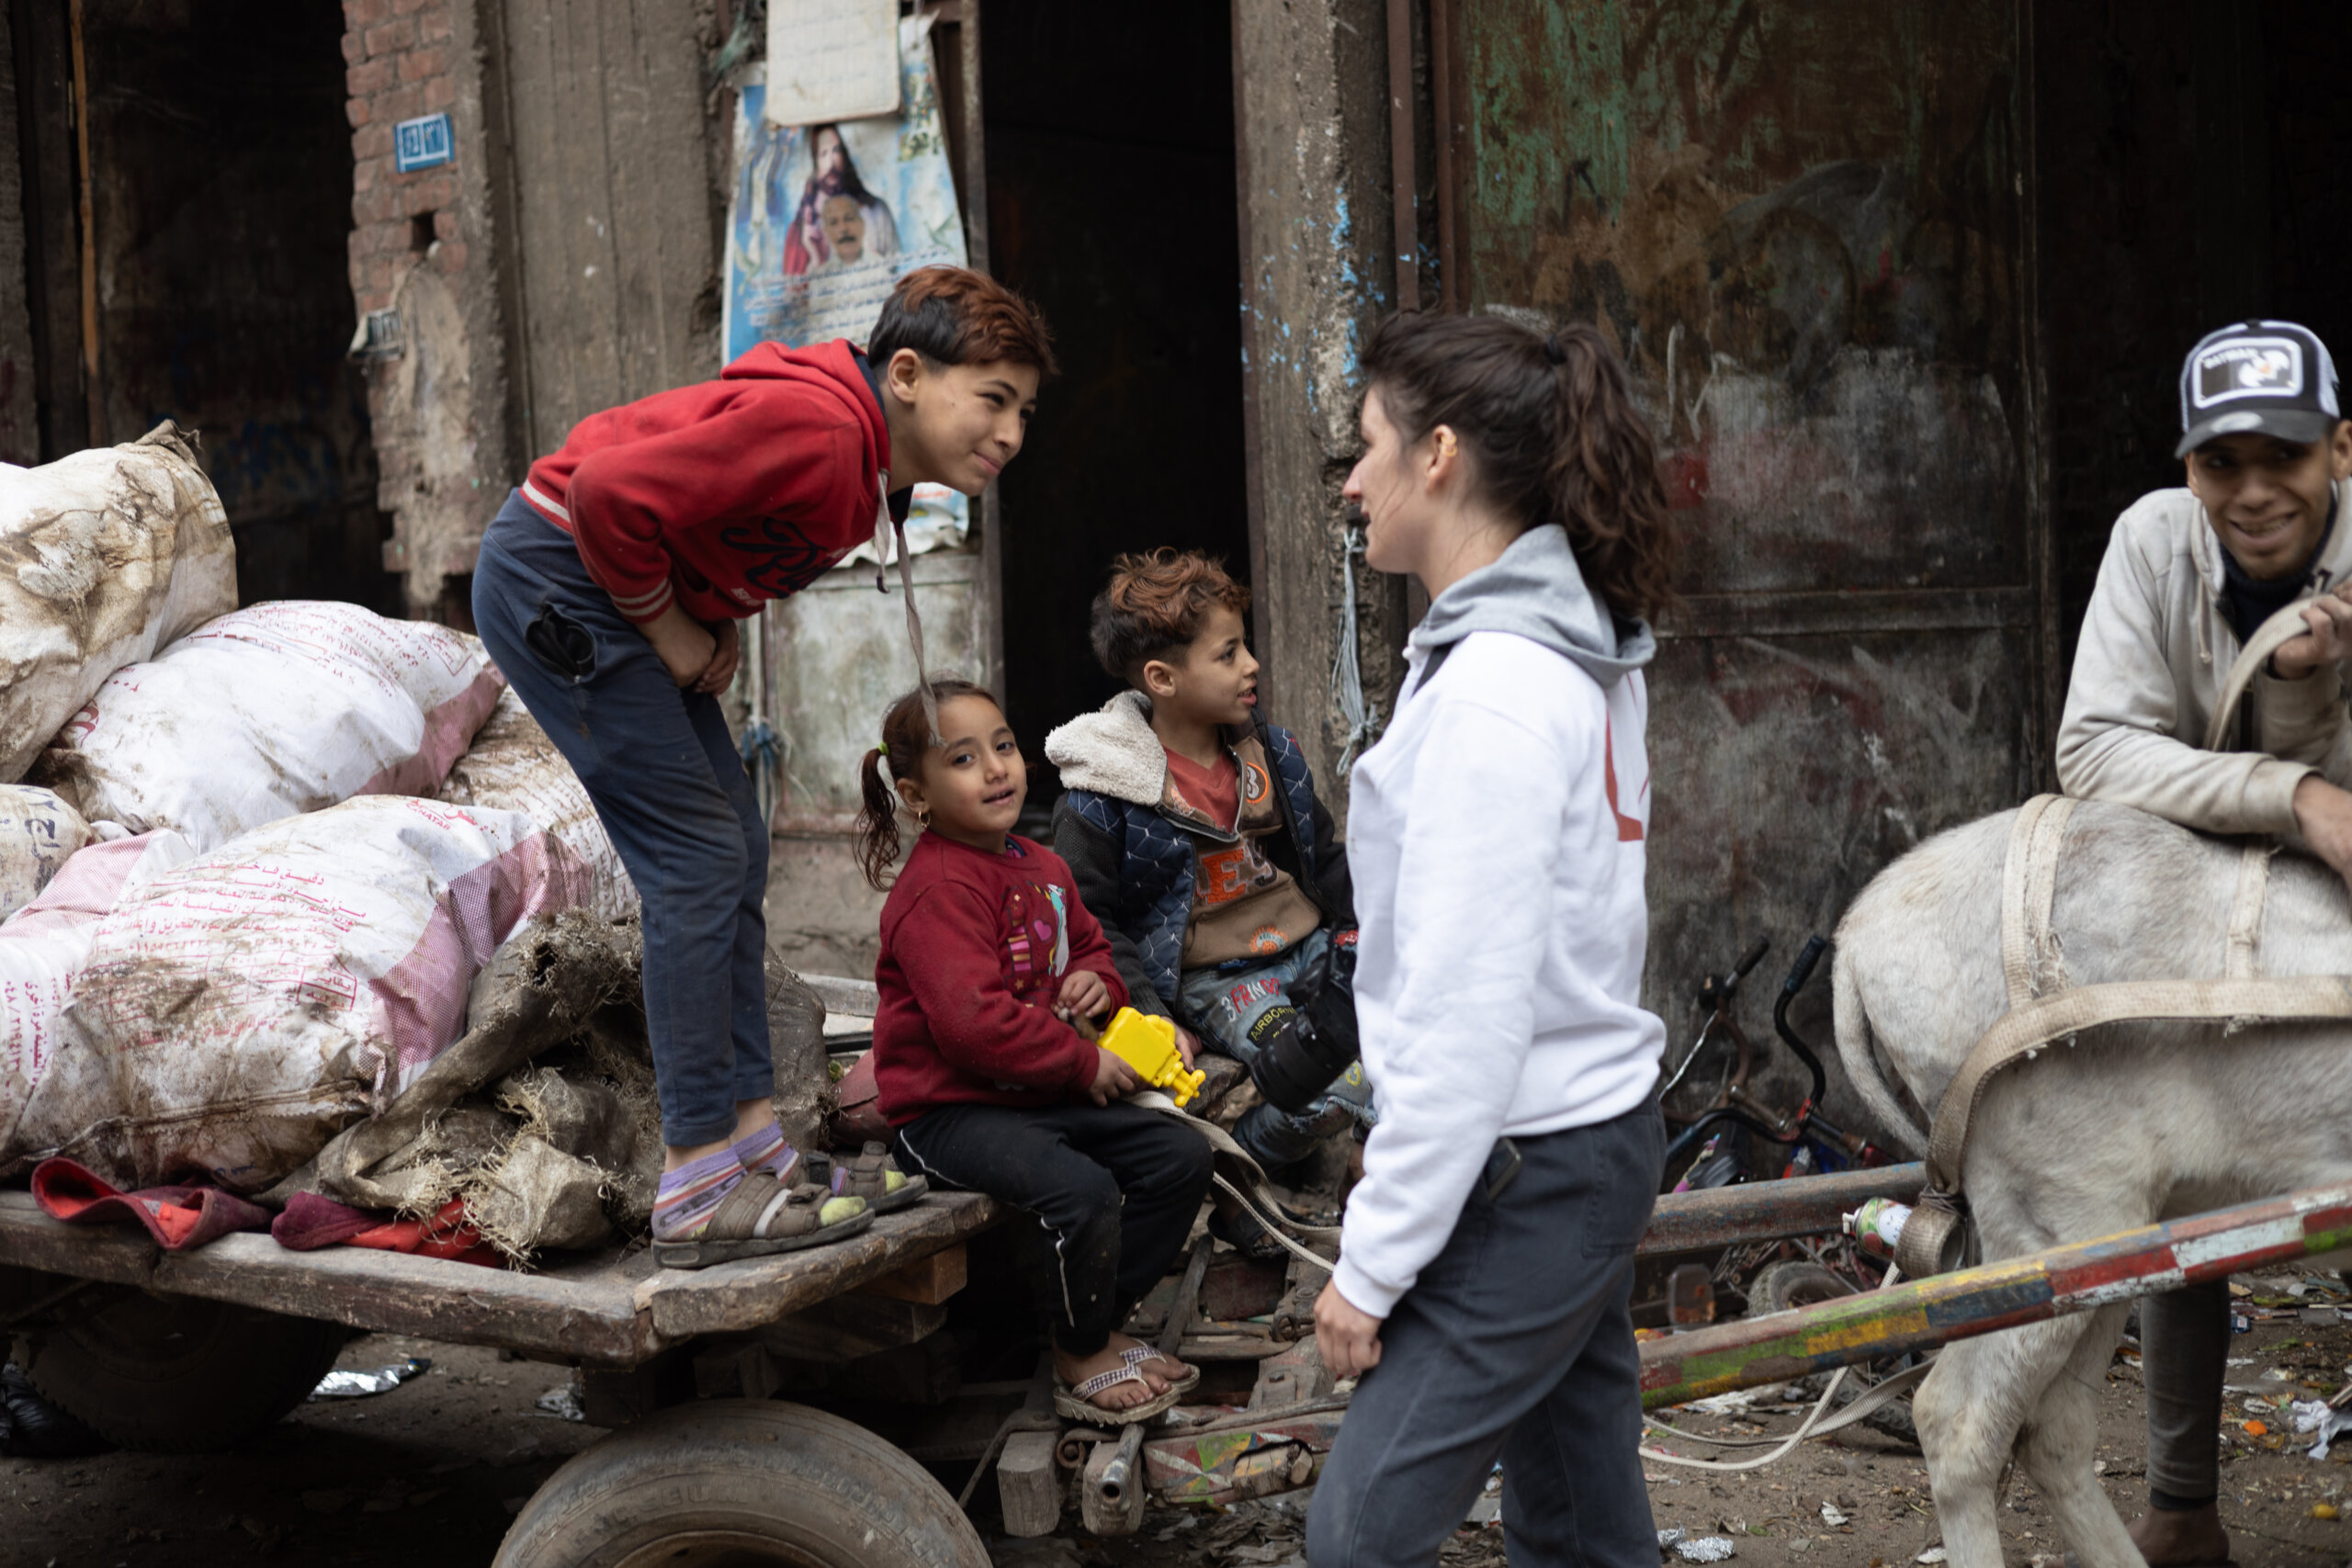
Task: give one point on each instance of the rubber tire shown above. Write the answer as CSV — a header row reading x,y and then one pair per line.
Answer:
x,y
177,1374
731,1483
1794,1282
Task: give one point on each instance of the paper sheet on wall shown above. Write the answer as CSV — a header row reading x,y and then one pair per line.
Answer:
x,y
826,217
832,60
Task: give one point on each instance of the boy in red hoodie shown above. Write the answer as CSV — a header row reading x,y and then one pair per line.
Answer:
x,y
608,590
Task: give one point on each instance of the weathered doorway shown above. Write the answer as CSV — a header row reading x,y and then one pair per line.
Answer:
x,y
1111,203
204,279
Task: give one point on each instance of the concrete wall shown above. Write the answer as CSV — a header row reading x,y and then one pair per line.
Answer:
x,y
1316,230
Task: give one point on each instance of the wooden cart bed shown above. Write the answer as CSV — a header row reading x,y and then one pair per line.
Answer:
x,y
613,1309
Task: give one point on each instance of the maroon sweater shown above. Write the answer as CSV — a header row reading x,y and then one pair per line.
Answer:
x,y
974,950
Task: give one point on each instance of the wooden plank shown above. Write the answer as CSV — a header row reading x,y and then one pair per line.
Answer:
x,y
848,1327
382,1292
1028,1487
603,1310
664,215
929,1280
734,1297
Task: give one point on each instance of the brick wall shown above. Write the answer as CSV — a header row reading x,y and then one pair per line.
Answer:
x,y
398,56
422,245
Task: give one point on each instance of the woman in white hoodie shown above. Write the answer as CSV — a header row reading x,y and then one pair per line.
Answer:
x,y
1496,838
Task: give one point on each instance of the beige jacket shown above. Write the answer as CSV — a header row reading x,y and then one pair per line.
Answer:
x,y
2154,651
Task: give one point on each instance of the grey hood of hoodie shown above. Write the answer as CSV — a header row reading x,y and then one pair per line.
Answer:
x,y
1536,591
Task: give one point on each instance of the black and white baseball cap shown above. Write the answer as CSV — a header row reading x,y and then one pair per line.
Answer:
x,y
2271,376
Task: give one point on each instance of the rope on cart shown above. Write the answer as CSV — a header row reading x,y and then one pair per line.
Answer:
x,y
1274,1227
1813,1425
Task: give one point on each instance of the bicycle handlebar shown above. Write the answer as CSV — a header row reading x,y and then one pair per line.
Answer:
x,y
1802,970
1799,973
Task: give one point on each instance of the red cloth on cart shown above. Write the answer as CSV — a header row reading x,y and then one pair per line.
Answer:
x,y
311,1221
179,1218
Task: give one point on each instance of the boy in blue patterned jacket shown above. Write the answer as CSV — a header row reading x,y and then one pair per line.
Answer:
x,y
1194,832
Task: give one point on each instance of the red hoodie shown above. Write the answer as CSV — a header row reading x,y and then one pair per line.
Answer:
x,y
726,493
974,949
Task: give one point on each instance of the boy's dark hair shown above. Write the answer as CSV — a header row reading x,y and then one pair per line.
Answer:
x,y
952,315
906,731
1154,603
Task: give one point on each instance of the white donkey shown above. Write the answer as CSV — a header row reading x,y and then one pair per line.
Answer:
x,y
2131,1125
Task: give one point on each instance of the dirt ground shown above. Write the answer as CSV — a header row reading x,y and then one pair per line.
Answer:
x,y
433,1471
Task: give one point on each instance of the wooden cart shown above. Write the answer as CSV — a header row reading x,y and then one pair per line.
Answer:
x,y
709,1458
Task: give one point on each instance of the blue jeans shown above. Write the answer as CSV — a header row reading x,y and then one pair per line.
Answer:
x,y
672,794
1235,1008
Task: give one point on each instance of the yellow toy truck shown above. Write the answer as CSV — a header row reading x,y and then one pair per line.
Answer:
x,y
1148,1044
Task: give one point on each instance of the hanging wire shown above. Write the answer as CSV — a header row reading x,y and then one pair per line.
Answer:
x,y
761,747
745,40
1347,669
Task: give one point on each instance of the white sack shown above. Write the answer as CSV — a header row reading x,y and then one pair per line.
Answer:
x,y
512,766
234,1013
269,712
38,831
104,555
43,946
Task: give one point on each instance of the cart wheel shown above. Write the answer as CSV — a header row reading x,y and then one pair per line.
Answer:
x,y
1794,1283
177,1374
734,1483
1797,1283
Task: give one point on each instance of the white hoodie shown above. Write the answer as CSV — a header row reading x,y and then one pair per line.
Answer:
x,y
1496,836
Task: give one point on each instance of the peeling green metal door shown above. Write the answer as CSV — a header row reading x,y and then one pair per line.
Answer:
x,y
1806,224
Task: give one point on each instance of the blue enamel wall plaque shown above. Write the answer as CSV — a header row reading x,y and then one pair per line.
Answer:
x,y
422,142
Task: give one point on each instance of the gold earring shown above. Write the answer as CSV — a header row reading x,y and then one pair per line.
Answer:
x,y
923,817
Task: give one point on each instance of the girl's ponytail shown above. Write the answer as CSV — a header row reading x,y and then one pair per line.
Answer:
x,y
906,740
1553,435
1602,479
877,821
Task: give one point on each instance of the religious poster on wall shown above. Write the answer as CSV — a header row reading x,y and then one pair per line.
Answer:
x,y
826,217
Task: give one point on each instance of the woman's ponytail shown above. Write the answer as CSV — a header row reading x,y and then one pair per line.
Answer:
x,y
1552,434
1603,480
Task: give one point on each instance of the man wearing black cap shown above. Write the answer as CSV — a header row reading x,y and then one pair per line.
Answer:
x,y
2188,576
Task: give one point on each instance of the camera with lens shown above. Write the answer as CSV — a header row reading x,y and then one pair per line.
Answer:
x,y
1310,1044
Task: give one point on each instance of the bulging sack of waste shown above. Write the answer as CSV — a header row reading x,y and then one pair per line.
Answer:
x,y
269,712
104,557
234,1013
512,766
44,945
39,832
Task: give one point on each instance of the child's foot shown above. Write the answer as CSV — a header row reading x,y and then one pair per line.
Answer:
x,y
1163,1373
1123,1393
1130,1376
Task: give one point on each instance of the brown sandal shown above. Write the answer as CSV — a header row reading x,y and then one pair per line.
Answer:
x,y
761,1217
875,1177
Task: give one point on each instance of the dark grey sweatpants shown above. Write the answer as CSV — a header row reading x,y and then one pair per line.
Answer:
x,y
1516,1343
2184,1352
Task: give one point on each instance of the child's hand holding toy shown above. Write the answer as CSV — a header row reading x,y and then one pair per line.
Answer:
x,y
1113,1078
1083,995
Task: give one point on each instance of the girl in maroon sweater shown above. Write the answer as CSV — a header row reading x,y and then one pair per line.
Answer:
x,y
988,961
